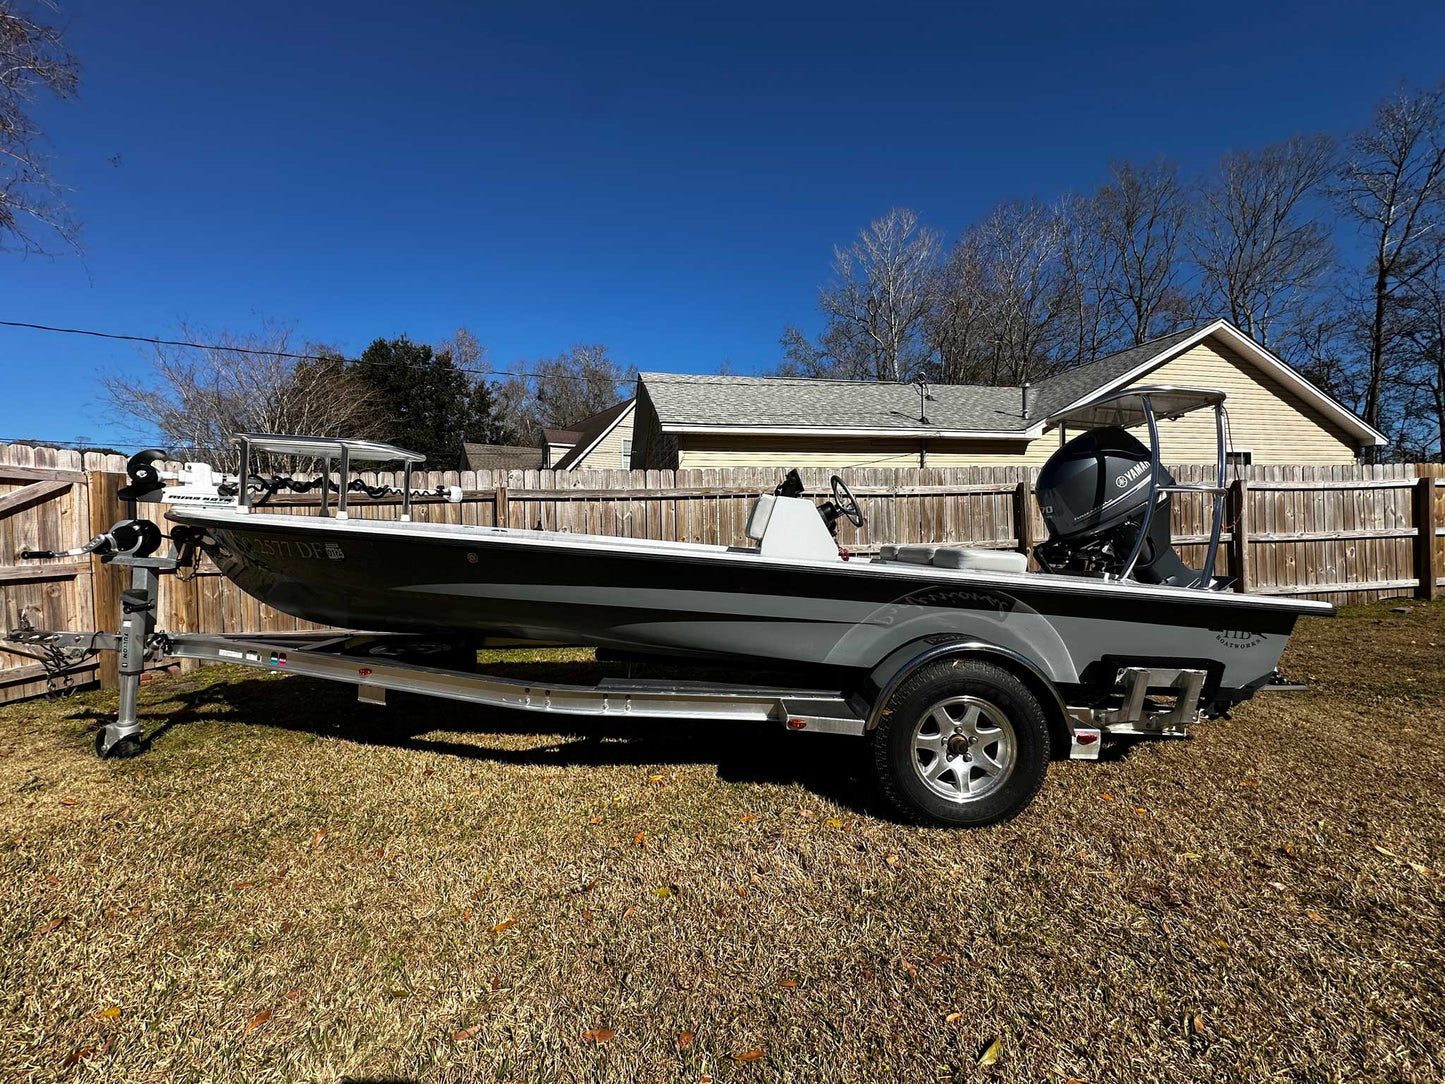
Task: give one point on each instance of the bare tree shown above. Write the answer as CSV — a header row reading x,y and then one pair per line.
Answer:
x,y
1142,214
879,298
1421,433
1021,243
32,61
959,328
1088,271
197,400
1262,255
1393,187
560,391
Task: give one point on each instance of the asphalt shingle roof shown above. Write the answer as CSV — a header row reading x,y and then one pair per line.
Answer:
x,y
1074,384
789,402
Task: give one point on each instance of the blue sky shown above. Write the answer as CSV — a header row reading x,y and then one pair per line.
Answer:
x,y
667,179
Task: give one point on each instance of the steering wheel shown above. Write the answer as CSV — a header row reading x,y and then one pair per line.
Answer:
x,y
846,502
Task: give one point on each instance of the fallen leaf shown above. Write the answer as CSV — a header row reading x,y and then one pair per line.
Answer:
x,y
663,892
1277,885
318,837
466,914
743,891
834,822
953,1018
628,913
586,915
1107,797
892,860
76,1055
67,801
655,779
990,1056
1217,941
685,1039
292,995
939,960
1140,809
52,879
748,1055
507,925
397,991
1191,854
257,1020
807,814
791,984
640,840
466,1033
1251,782
110,1013
745,819
1315,916
53,924
1198,1023
244,884
595,820
599,1035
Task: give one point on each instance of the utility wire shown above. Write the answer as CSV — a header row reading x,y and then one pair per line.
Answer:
x,y
246,349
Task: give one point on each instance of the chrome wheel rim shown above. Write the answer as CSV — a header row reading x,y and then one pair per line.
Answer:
x,y
964,748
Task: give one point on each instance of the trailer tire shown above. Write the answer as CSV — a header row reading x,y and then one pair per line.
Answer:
x,y
131,746
962,743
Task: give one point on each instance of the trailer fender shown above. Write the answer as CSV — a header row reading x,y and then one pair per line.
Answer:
x,y
889,674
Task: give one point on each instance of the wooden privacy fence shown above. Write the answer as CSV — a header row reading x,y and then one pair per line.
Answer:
x,y
1344,534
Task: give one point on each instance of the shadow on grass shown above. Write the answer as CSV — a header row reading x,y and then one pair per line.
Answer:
x,y
832,766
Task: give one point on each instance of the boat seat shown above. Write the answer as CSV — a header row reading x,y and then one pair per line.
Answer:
x,y
961,557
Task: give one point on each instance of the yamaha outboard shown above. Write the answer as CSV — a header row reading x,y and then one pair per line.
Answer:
x,y
1093,493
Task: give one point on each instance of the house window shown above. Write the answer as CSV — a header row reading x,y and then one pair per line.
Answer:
x,y
626,453
1241,457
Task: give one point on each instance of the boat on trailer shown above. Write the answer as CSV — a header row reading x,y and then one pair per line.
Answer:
x,y
966,670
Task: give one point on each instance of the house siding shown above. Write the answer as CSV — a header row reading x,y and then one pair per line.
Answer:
x,y
608,453
836,453
1265,417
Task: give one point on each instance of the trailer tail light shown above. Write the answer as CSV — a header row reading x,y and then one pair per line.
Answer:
x,y
797,724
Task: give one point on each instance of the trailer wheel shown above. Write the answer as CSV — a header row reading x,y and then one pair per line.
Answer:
x,y
963,743
132,746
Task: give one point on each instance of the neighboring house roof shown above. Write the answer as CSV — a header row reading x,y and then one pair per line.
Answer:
x,y
503,457
560,436
742,405
592,431
1092,377
761,403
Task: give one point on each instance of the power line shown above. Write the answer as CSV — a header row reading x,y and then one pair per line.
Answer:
x,y
252,350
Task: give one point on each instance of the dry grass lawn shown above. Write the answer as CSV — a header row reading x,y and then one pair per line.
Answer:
x,y
292,886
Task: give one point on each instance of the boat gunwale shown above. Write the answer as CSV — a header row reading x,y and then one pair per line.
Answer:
x,y
479,534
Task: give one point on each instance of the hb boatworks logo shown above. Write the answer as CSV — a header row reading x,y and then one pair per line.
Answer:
x,y
1239,639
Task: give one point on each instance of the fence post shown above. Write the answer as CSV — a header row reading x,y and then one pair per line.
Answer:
x,y
499,512
1426,570
1239,534
1024,516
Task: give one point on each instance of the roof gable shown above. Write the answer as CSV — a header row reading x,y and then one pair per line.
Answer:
x,y
591,431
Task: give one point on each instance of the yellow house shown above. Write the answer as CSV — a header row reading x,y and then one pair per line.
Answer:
x,y
601,442
1275,414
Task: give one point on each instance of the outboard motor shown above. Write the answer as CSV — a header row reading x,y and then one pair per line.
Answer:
x,y
1093,493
